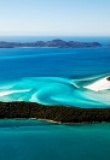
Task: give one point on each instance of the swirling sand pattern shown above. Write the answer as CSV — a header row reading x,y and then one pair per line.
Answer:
x,y
54,91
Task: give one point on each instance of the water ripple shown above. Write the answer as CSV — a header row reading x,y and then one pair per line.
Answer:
x,y
54,91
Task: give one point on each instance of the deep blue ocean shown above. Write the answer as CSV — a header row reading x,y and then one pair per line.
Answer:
x,y
54,76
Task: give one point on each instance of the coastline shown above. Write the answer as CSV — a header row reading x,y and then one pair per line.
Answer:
x,y
56,43
99,85
56,122
53,114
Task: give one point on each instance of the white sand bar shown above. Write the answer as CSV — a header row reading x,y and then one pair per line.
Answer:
x,y
99,85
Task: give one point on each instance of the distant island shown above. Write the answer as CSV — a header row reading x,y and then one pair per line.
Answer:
x,y
57,43
55,114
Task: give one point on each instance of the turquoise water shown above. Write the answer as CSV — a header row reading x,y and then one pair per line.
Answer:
x,y
54,77
31,140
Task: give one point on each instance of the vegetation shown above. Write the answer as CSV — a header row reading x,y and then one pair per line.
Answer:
x,y
56,113
54,43
108,78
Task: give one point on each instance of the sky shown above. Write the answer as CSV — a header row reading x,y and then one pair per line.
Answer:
x,y
55,17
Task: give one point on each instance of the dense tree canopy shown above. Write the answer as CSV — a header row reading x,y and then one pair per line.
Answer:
x,y
56,113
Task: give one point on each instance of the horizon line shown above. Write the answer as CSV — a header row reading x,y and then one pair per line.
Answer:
x,y
57,35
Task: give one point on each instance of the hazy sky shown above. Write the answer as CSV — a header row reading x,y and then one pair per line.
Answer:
x,y
55,17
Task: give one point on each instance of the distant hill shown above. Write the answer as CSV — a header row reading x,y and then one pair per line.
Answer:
x,y
57,43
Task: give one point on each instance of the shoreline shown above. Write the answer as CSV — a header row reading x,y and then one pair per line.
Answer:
x,y
53,114
56,122
99,85
56,43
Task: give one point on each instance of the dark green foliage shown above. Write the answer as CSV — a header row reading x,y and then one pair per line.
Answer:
x,y
108,78
57,113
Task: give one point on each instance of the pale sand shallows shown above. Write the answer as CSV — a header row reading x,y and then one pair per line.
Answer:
x,y
99,85
8,92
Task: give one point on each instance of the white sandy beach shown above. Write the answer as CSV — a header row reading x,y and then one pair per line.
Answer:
x,y
99,85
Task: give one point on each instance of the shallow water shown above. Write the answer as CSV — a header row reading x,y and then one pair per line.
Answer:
x,y
53,76
31,140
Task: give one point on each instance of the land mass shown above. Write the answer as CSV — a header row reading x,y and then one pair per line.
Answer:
x,y
57,114
57,43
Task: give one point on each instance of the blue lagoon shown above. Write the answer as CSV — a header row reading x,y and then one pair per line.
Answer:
x,y
54,76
